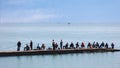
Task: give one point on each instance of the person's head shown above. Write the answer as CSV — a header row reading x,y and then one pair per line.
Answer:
x,y
43,44
38,43
26,44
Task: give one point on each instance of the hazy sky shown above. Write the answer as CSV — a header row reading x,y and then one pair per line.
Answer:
x,y
25,11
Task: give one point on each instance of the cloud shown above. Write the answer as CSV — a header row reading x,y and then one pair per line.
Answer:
x,y
13,11
34,15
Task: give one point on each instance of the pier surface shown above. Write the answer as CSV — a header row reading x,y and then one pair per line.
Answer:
x,y
46,52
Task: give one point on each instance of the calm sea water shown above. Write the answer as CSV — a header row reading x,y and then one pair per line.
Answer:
x,y
45,33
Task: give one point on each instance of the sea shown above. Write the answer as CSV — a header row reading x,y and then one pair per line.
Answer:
x,y
11,33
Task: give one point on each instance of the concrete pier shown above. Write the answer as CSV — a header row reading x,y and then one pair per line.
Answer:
x,y
46,52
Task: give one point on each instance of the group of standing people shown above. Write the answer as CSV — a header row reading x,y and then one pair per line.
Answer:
x,y
56,46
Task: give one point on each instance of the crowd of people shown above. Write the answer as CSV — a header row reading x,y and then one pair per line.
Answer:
x,y
60,46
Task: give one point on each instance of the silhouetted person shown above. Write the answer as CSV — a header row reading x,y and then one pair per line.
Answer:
x,y
71,45
18,45
43,46
61,44
56,45
102,45
77,45
112,45
97,45
53,45
93,44
82,45
38,47
27,47
66,46
106,45
89,45
31,45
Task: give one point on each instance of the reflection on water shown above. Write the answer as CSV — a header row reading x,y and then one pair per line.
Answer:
x,y
91,60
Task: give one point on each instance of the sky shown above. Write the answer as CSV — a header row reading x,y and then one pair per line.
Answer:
x,y
59,11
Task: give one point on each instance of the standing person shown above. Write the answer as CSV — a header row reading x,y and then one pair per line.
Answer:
x,y
31,45
53,45
112,45
18,45
61,44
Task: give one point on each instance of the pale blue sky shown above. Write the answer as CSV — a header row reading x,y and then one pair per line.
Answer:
x,y
78,11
